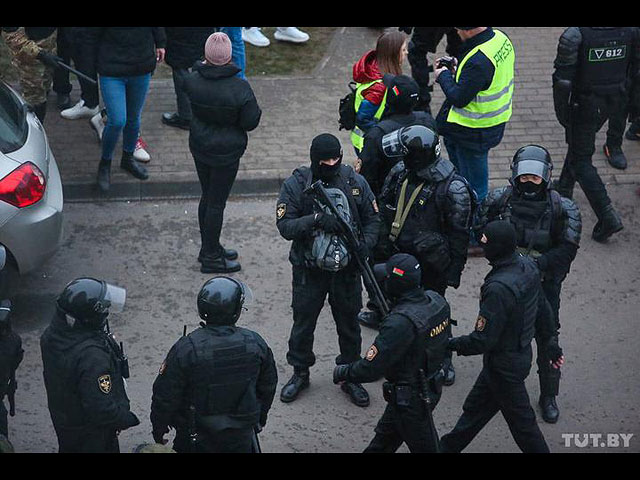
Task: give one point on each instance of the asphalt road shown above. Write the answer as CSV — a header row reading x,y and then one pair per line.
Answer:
x,y
151,249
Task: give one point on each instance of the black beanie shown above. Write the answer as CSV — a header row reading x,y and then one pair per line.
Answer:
x,y
401,273
324,147
501,240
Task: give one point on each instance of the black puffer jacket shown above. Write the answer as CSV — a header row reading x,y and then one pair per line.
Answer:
x,y
224,110
124,51
185,45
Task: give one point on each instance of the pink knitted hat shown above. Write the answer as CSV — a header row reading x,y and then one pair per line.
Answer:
x,y
217,50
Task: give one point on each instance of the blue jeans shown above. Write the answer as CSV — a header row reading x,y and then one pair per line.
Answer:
x,y
237,48
472,165
123,98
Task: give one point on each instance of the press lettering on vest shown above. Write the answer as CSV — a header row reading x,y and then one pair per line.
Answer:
x,y
504,52
439,329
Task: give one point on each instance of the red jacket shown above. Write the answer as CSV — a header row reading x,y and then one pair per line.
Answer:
x,y
366,70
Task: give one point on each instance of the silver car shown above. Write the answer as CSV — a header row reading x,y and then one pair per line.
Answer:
x,y
30,187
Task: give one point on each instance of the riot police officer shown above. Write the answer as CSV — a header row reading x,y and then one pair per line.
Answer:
x,y
548,229
512,310
315,273
428,210
423,41
596,71
11,354
85,369
409,351
216,385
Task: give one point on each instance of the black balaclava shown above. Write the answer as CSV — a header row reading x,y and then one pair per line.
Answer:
x,y
501,240
324,147
531,191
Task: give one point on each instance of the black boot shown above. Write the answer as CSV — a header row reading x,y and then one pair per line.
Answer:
x,y
104,175
550,411
615,157
609,222
371,319
218,264
357,393
228,253
63,101
40,110
298,382
633,133
129,164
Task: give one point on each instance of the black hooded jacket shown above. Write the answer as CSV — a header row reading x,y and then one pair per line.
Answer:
x,y
224,110
185,45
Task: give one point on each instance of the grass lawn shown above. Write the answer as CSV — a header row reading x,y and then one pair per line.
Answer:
x,y
279,58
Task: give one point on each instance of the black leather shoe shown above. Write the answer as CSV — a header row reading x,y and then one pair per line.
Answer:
x,y
291,390
633,134
104,175
370,319
449,375
129,164
63,101
615,157
358,394
228,253
608,224
550,412
219,265
173,120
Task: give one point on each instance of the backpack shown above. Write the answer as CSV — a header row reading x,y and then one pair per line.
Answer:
x,y
347,109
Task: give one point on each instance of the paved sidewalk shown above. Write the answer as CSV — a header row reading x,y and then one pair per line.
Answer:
x,y
295,109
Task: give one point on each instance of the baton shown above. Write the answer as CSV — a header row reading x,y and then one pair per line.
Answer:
x,y
255,443
79,74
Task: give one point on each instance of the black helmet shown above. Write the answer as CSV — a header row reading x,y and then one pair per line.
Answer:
x,y
89,301
220,300
531,160
419,145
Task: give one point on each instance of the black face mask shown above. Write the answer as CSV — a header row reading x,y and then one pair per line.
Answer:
x,y
326,172
530,190
501,243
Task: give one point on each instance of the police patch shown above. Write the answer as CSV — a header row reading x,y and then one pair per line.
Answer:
x,y
371,353
355,192
481,322
163,367
281,210
104,382
375,205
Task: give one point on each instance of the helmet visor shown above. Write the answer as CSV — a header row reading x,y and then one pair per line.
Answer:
x,y
115,298
247,294
533,167
392,146
3,257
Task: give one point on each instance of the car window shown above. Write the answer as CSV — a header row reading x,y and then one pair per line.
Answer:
x,y
13,124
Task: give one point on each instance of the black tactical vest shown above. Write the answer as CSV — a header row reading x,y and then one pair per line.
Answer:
x,y
224,378
522,278
604,59
430,319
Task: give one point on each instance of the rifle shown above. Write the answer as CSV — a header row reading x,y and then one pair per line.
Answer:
x,y
255,443
321,198
424,396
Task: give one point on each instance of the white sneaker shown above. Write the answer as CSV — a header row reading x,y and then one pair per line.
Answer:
x,y
290,34
140,154
255,37
79,111
97,123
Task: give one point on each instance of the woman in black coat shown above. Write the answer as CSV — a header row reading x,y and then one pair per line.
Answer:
x,y
224,110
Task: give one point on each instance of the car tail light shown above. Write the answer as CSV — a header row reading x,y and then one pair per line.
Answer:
x,y
23,187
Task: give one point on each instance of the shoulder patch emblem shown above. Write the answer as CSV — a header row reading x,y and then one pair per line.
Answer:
x,y
375,205
355,192
371,353
163,367
281,210
481,322
104,382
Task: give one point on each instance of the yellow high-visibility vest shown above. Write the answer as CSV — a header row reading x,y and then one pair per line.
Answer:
x,y
357,134
493,106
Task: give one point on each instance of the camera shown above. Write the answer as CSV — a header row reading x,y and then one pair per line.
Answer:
x,y
448,62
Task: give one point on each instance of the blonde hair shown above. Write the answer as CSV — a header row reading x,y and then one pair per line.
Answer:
x,y
388,52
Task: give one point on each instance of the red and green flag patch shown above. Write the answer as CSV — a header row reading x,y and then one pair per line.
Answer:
x,y
396,91
398,271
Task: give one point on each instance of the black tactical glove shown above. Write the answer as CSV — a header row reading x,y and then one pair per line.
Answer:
x,y
340,373
49,59
452,344
553,350
328,223
158,435
406,30
130,421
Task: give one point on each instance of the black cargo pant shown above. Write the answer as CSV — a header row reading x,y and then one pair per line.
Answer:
x,y
587,118
232,440
216,183
99,440
310,289
549,376
499,389
406,424
4,425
